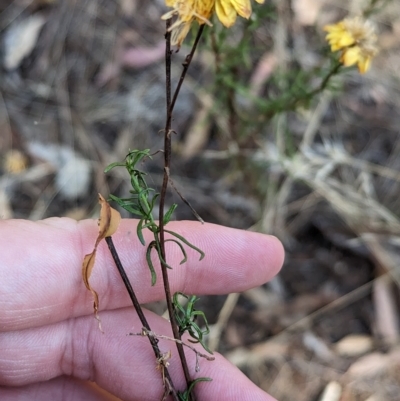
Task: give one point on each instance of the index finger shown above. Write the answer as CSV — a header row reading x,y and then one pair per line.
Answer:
x,y
40,267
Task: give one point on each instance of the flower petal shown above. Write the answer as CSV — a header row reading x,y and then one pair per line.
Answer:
x,y
179,33
242,7
364,64
350,56
225,12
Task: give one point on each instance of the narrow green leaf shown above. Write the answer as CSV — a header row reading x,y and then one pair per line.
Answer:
x,y
157,242
150,263
112,165
185,395
139,231
132,210
168,215
138,155
164,262
182,249
126,205
185,241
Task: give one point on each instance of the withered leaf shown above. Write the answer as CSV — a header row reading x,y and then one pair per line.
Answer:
x,y
109,219
108,225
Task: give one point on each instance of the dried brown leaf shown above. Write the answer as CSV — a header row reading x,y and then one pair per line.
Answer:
x,y
87,267
109,220
108,225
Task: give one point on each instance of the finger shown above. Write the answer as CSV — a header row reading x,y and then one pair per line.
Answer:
x,y
40,267
123,365
61,388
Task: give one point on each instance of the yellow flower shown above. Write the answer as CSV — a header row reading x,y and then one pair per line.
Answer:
x,y
188,11
356,39
228,10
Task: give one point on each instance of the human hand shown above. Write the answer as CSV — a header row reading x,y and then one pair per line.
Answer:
x,y
50,344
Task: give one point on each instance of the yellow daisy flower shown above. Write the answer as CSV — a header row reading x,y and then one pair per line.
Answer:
x,y
228,10
188,11
356,39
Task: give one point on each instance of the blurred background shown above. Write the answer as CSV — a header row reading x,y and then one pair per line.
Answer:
x,y
82,82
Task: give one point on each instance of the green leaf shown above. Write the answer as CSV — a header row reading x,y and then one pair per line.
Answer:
x,y
185,241
139,231
168,215
182,249
186,319
150,263
138,155
164,262
112,165
126,205
132,210
157,242
185,395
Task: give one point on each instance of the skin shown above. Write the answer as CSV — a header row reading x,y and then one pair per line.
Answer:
x,y
51,347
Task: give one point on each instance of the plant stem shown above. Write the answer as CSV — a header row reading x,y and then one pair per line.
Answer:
x,y
326,80
170,104
185,65
139,311
167,159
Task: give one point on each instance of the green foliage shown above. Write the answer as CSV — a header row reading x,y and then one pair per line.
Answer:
x,y
186,394
186,318
236,51
141,204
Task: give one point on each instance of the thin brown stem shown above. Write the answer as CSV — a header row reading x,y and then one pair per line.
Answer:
x,y
167,159
170,104
153,340
186,65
